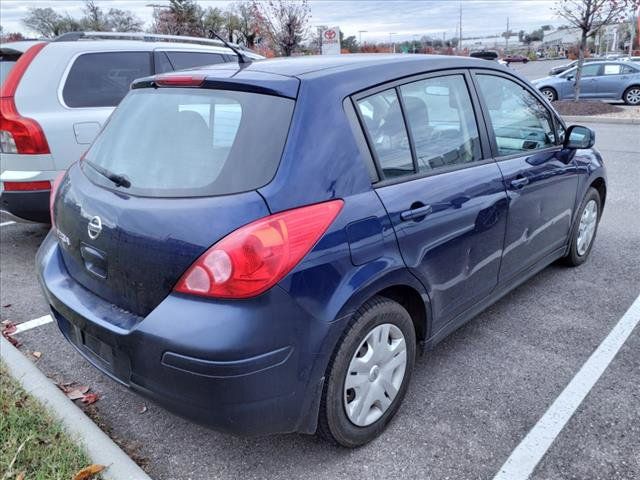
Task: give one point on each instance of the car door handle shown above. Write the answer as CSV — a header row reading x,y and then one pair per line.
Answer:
x,y
416,213
518,183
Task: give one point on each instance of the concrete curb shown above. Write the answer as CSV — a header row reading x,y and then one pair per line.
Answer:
x,y
596,119
100,448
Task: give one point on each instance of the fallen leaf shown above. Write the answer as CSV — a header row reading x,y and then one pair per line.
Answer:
x,y
143,409
12,341
20,476
88,472
8,328
36,354
77,393
90,398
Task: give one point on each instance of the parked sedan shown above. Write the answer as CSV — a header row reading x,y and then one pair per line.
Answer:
x,y
600,80
280,271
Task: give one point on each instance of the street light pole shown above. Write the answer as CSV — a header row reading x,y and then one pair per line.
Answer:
x,y
391,42
360,32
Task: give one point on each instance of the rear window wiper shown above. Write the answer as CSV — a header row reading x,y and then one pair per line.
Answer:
x,y
117,179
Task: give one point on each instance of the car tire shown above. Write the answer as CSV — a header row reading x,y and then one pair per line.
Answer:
x,y
549,93
631,95
344,421
585,227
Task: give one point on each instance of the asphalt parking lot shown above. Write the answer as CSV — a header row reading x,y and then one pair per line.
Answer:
x,y
472,399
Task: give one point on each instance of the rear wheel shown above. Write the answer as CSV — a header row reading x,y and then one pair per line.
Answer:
x,y
368,375
631,95
550,93
585,229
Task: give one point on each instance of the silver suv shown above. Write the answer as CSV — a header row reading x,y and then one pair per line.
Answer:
x,y
56,96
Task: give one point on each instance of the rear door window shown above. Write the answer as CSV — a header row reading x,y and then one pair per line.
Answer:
x,y
182,60
442,122
177,142
383,120
102,79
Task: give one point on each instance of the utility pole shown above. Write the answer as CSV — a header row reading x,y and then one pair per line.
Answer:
x,y
391,34
460,30
633,31
506,35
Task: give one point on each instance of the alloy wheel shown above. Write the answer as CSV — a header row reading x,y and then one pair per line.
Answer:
x,y
633,96
549,94
587,227
375,374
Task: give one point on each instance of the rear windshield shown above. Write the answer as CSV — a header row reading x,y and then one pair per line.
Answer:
x,y
181,142
5,68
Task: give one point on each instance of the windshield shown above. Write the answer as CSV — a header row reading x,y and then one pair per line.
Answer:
x,y
179,142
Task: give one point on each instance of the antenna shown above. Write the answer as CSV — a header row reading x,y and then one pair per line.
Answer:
x,y
241,57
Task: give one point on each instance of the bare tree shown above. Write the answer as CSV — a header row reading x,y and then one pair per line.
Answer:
x,y
94,18
123,21
589,16
180,17
286,23
49,23
249,22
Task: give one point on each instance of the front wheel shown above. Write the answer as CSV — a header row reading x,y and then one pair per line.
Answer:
x,y
368,375
585,229
550,94
632,95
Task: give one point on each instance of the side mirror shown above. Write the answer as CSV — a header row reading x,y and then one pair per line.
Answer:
x,y
578,136
568,78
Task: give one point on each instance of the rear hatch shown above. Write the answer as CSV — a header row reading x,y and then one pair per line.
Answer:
x,y
184,164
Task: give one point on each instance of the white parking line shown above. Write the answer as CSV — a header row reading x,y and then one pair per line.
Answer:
x,y
4,224
36,322
533,447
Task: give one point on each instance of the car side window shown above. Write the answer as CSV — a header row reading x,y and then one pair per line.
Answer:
x,y
162,62
182,60
592,70
612,69
442,122
382,116
102,79
520,121
629,69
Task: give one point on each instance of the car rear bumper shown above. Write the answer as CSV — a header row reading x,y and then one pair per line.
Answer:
x,y
31,205
246,367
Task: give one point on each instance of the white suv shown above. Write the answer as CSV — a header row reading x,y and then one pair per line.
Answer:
x,y
56,95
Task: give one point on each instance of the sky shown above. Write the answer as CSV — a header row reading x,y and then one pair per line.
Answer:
x,y
403,18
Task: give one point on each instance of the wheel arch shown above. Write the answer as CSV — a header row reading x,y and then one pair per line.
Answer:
x,y
402,287
600,185
624,93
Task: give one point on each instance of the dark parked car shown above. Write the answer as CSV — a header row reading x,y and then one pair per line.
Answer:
x,y
606,80
563,68
266,249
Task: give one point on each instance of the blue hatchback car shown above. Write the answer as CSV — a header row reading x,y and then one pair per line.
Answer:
x,y
265,249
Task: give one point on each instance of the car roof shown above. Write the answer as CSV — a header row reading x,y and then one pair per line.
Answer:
x,y
340,75
89,45
342,65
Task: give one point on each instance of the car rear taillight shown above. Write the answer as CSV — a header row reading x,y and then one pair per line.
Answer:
x,y
19,134
27,186
179,80
52,196
255,257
